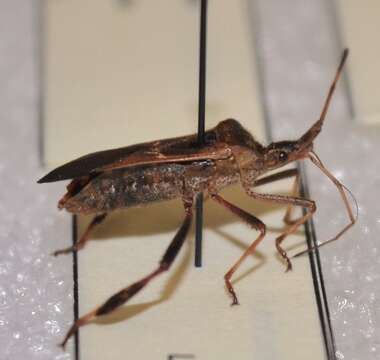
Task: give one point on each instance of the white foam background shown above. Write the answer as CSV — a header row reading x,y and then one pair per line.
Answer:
x,y
35,289
300,53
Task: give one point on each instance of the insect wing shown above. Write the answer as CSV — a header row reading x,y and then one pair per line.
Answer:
x,y
181,149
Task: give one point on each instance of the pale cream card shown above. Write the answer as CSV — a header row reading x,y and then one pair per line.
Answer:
x,y
125,72
361,29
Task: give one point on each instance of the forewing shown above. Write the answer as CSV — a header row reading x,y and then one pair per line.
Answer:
x,y
182,149
88,164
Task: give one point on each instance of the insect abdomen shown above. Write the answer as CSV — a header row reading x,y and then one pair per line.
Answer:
x,y
128,187
153,184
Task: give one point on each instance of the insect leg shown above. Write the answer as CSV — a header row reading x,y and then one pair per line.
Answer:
x,y
288,200
342,190
82,241
295,191
255,223
127,293
275,177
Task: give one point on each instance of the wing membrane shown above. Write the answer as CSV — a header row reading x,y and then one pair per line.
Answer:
x,y
181,149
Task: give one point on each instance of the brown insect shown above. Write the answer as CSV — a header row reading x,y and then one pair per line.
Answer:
x,y
177,168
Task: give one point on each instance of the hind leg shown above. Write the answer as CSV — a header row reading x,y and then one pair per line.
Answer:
x,y
127,293
84,238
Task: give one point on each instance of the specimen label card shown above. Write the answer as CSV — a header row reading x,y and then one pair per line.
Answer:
x,y
360,22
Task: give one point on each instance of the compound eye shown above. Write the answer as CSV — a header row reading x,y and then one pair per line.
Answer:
x,y
283,156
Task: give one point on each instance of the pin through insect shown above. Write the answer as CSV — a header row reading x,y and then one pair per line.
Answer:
x,y
175,168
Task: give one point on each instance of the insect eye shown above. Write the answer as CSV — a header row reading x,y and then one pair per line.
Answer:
x,y
282,156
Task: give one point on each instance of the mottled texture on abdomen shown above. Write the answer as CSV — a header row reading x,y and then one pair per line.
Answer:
x,y
129,187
